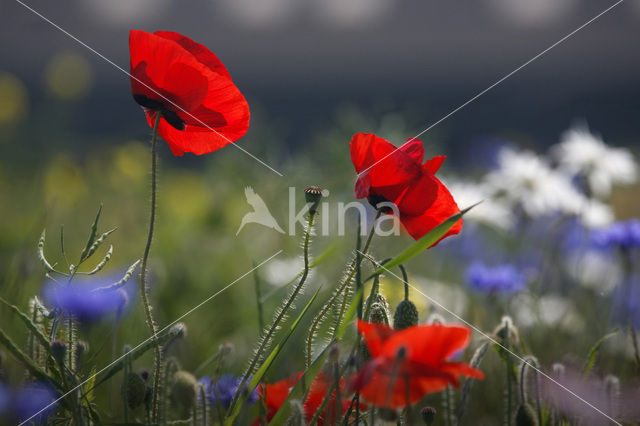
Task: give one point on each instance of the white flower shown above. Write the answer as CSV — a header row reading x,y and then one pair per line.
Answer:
x,y
281,271
525,179
593,269
595,214
548,310
491,212
582,153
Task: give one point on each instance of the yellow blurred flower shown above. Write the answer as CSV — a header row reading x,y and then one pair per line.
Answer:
x,y
68,76
14,100
185,197
64,183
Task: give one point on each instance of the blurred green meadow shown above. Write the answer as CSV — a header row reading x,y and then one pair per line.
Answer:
x,y
54,174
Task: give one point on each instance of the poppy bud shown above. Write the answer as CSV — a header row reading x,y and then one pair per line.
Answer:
x,y
82,347
225,349
179,329
183,390
313,195
133,389
387,414
379,314
525,416
148,398
558,370
428,415
506,330
406,315
59,350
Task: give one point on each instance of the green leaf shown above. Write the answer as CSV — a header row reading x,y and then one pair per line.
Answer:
x,y
253,384
92,236
37,332
423,243
593,354
299,389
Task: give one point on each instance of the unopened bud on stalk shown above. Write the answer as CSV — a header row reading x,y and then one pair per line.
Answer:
x,y
558,370
379,314
406,315
179,329
506,330
59,350
525,416
313,196
183,390
428,415
82,347
134,389
225,349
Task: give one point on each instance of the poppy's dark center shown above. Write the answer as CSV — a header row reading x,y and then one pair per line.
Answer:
x,y
172,117
375,199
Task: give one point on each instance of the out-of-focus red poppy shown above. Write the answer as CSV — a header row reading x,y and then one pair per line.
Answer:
x,y
202,110
398,175
276,394
408,364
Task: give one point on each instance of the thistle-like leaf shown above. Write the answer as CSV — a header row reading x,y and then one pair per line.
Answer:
x,y
103,262
92,236
122,281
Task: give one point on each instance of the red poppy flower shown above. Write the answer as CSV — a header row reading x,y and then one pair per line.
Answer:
x,y
387,173
408,364
202,110
276,394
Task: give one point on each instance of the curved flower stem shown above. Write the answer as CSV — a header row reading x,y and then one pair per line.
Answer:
x,y
356,267
266,337
143,274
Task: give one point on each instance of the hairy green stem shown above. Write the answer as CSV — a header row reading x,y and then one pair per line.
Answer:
x,y
279,316
143,274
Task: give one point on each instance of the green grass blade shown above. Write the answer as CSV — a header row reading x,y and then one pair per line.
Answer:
x,y
593,354
425,242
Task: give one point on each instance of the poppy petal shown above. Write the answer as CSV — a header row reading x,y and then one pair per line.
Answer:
x,y
443,207
204,55
433,165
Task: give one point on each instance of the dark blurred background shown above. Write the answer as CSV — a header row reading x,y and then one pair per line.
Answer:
x,y
301,62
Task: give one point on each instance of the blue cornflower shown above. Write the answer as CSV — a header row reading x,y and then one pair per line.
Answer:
x,y
34,398
224,389
88,301
626,303
623,234
4,398
499,279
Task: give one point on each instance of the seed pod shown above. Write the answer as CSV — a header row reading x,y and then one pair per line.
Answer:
x,y
406,315
428,415
59,350
313,195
